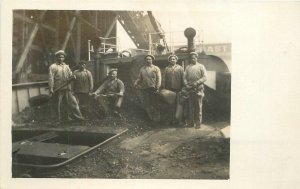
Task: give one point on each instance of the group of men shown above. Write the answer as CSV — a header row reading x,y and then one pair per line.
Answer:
x,y
77,90
186,84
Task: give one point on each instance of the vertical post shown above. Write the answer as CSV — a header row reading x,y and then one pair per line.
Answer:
x,y
97,62
103,71
89,49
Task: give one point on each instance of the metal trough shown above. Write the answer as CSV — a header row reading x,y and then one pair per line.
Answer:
x,y
46,149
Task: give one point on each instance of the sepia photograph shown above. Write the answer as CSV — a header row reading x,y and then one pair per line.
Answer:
x,y
121,94
149,94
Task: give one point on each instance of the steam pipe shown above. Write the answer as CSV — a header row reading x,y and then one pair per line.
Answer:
x,y
190,33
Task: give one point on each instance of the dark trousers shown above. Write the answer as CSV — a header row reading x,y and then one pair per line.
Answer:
x,y
72,109
110,102
150,103
84,102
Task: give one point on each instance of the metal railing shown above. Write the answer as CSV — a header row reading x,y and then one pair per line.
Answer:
x,y
155,48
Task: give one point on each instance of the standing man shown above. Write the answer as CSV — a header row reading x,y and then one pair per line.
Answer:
x,y
110,94
83,86
173,75
194,77
60,76
149,82
173,80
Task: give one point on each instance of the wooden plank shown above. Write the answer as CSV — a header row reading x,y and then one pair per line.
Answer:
x,y
69,33
112,25
28,44
23,30
23,99
24,85
72,39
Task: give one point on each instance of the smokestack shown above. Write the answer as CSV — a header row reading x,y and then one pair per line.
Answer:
x,y
190,33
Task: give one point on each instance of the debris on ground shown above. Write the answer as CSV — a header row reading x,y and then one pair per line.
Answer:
x,y
147,150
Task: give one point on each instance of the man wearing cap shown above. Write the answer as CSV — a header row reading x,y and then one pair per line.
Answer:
x,y
173,79
194,77
149,82
60,76
173,75
83,85
110,94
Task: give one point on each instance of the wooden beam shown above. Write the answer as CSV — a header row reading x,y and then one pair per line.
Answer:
x,y
113,23
23,31
69,33
28,20
72,39
29,43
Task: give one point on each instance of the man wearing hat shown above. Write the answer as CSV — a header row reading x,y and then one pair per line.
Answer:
x,y
60,76
194,77
173,80
83,85
110,94
149,82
